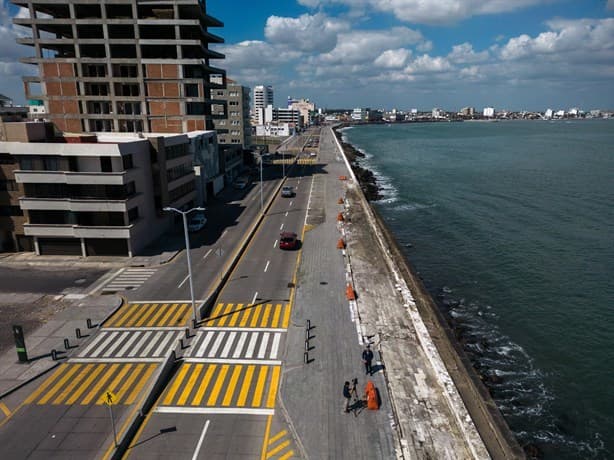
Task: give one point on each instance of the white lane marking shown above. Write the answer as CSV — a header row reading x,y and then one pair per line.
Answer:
x,y
252,345
267,265
163,344
146,328
184,280
92,345
152,343
223,233
240,345
208,252
216,344
275,244
117,360
130,341
112,348
135,349
104,344
291,203
261,362
309,200
228,346
282,227
275,346
203,346
211,410
263,345
200,441
241,329
254,299
286,215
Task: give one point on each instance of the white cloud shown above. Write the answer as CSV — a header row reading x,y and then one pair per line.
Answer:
x,y
464,54
426,64
306,33
432,11
393,59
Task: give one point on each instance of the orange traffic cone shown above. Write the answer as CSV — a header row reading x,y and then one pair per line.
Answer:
x,y
349,292
372,397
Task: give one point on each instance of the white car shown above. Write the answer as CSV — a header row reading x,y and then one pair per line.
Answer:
x,y
197,222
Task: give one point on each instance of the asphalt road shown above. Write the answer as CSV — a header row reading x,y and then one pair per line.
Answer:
x,y
45,280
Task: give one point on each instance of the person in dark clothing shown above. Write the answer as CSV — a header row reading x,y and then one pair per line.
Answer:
x,y
367,358
347,394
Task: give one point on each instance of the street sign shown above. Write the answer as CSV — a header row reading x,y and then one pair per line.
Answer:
x,y
109,398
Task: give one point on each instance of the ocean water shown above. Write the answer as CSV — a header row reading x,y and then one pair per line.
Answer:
x,y
511,227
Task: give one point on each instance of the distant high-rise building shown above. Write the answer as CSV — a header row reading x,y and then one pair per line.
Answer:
x,y
489,112
235,128
263,96
122,65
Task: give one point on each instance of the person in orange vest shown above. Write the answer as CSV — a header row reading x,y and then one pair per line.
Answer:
x,y
367,358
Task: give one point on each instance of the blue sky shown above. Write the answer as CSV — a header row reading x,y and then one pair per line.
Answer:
x,y
510,54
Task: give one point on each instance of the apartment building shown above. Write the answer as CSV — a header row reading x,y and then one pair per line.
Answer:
x,y
99,194
122,65
235,128
263,97
305,107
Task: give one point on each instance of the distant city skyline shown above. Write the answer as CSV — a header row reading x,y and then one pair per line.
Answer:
x,y
520,55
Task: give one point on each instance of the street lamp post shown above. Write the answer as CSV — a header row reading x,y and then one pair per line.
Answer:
x,y
187,249
261,199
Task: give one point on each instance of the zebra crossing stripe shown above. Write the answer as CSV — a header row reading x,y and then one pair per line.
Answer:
x,y
163,344
157,315
208,336
217,343
169,313
146,314
257,399
86,383
188,388
115,383
263,345
104,344
230,389
275,347
176,384
252,345
228,346
217,387
249,374
111,349
152,342
204,385
133,338
240,345
96,389
69,388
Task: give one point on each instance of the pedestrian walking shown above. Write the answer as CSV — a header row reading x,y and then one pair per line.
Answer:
x,y
347,394
367,358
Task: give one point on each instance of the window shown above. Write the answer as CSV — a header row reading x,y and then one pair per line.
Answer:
x,y
51,164
6,159
233,103
130,189
233,94
191,90
219,93
235,122
222,123
26,164
128,163
235,114
133,214
105,164
9,185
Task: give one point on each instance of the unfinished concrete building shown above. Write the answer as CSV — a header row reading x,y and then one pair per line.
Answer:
x,y
122,65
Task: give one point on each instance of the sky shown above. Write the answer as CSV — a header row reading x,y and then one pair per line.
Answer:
x,y
508,54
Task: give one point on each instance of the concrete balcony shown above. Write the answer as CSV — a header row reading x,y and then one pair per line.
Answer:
x,y
75,205
68,177
76,231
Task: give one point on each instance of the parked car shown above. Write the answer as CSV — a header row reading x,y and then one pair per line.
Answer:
x,y
287,240
240,183
287,191
197,222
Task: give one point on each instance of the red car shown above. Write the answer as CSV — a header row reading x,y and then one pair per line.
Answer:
x,y
287,240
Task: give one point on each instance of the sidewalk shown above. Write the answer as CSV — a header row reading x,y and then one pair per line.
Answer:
x,y
50,336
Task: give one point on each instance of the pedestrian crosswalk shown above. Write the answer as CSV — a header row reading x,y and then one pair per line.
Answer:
x,y
151,315
279,446
88,383
248,315
128,279
236,344
223,386
125,344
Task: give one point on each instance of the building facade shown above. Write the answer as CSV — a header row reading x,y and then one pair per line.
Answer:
x,y
235,128
100,194
122,66
263,97
305,107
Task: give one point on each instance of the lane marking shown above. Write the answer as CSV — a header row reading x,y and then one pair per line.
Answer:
x,y
223,233
267,265
208,252
5,409
286,215
262,362
184,280
255,296
212,410
291,203
116,360
282,226
200,441
275,244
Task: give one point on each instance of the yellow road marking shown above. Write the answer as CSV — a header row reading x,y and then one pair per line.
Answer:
x,y
146,314
287,455
218,385
257,399
215,314
85,385
257,310
154,319
130,380
115,383
231,385
121,317
5,409
179,315
235,316
130,322
286,321
246,314
277,449
222,320
265,317
58,385
46,383
265,441
270,403
73,384
168,314
203,385
197,369
137,388
96,390
176,384
278,436
246,385
276,315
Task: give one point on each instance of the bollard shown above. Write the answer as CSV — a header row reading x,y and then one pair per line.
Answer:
x,y
78,333
89,323
306,335
187,333
181,343
66,344
306,346
308,324
54,355
306,357
194,323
